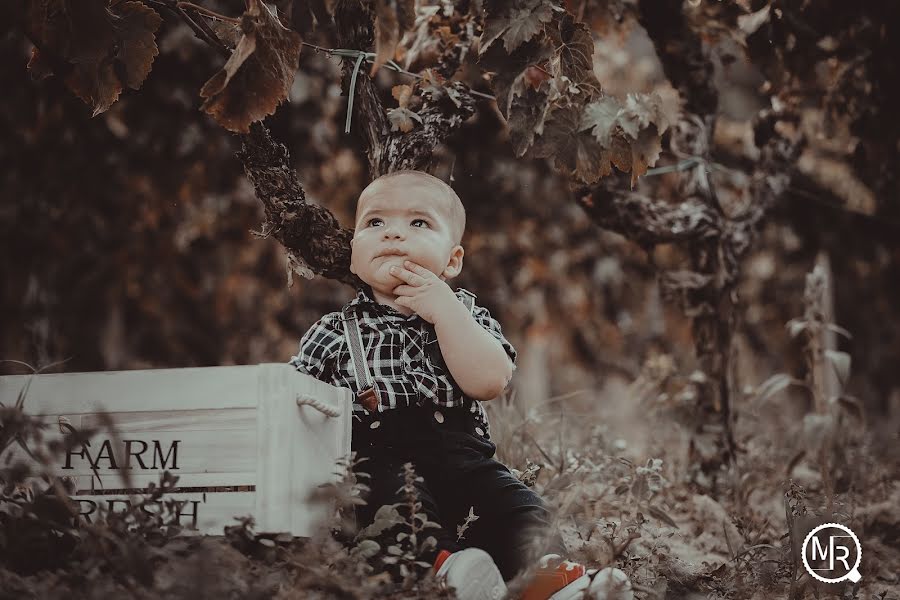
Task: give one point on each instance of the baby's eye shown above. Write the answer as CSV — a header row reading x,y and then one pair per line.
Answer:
x,y
374,221
423,221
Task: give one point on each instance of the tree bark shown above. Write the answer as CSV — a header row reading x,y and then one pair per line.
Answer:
x,y
715,242
315,241
309,233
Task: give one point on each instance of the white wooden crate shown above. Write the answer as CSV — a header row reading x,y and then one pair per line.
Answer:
x,y
234,427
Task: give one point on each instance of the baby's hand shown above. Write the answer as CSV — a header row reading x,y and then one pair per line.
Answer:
x,y
423,292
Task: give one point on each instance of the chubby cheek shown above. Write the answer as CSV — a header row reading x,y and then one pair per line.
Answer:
x,y
432,262
360,252
378,272
355,260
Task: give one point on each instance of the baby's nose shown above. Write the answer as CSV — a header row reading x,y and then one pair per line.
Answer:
x,y
392,233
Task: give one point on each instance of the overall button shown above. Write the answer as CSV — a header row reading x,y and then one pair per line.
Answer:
x,y
479,431
438,416
375,425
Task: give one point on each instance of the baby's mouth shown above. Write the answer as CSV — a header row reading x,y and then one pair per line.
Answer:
x,y
390,252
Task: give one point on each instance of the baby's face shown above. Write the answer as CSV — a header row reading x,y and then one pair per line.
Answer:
x,y
402,219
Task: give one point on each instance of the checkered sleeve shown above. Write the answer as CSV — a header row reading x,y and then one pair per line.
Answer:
x,y
483,317
319,347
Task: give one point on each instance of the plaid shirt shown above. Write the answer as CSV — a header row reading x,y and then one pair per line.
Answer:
x,y
402,352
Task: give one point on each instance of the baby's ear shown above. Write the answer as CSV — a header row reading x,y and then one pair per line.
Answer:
x,y
454,264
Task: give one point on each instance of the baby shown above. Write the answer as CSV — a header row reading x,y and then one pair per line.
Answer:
x,y
421,358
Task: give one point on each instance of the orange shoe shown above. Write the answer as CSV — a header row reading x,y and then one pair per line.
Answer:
x,y
557,579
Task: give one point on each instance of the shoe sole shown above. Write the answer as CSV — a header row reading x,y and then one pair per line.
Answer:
x,y
482,580
610,584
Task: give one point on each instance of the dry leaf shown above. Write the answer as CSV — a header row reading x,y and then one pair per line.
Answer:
x,y
573,148
387,34
135,27
602,117
259,73
516,22
93,46
644,152
630,132
575,46
392,18
527,112
402,94
402,119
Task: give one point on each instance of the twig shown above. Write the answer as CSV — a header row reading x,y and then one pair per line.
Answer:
x,y
750,549
212,35
562,448
542,70
563,397
546,456
209,13
349,53
618,549
36,370
200,29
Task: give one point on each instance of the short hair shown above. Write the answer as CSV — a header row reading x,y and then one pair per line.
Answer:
x,y
457,210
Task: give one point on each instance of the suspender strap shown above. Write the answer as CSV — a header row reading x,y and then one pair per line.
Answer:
x,y
357,353
366,396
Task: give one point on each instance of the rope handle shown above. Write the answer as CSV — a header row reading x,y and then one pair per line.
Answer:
x,y
322,407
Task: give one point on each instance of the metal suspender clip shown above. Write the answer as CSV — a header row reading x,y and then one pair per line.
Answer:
x,y
368,398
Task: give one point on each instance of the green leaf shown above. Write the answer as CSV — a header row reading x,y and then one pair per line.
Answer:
x,y
773,385
660,515
385,517
639,487
796,326
367,549
839,330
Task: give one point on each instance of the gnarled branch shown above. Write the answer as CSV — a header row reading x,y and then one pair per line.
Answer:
x,y
648,221
308,231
